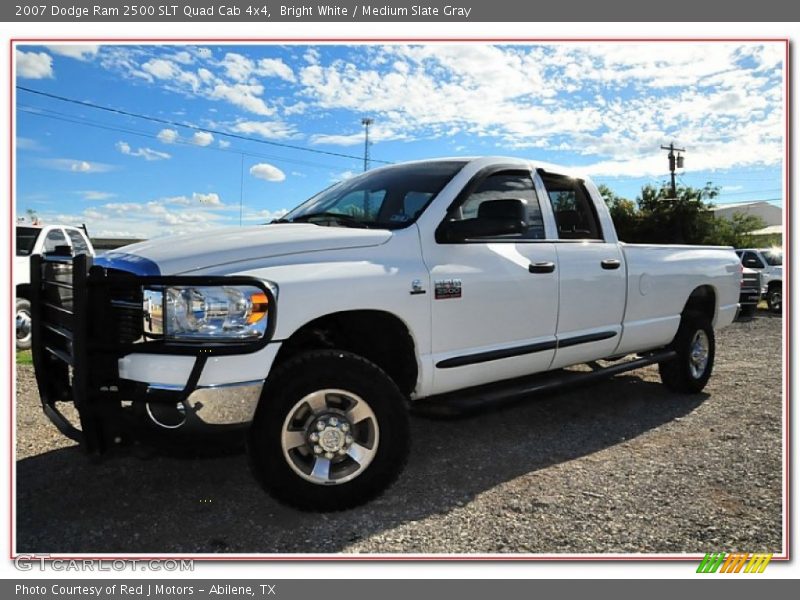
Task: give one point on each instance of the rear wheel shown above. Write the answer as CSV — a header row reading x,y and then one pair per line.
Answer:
x,y
23,324
331,431
694,346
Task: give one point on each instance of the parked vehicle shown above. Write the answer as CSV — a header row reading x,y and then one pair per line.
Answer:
x,y
750,294
769,262
443,284
37,239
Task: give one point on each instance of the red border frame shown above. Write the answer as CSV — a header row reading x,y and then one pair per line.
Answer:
x,y
785,556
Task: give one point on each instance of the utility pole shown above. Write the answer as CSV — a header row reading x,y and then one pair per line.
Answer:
x,y
366,122
674,161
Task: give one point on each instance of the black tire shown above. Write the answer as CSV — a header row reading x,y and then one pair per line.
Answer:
x,y
297,379
22,324
775,298
682,374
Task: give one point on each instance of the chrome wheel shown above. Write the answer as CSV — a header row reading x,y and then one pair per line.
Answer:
x,y
23,326
698,354
774,300
330,437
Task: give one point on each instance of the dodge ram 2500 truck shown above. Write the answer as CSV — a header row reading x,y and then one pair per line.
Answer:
x,y
441,284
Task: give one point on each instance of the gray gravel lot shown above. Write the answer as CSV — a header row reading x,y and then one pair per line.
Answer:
x,y
620,466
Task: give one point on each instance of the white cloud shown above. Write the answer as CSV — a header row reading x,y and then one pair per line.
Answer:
x,y
267,172
224,144
146,153
24,143
75,165
245,96
264,216
168,136
615,103
161,68
177,201
183,57
34,65
95,195
238,67
275,67
344,175
202,138
269,129
77,51
211,199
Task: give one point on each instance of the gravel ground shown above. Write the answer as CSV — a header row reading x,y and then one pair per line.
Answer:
x,y
621,466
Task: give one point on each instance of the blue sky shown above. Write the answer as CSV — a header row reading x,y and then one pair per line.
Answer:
x,y
603,107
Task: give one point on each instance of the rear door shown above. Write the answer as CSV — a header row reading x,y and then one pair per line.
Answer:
x,y
592,279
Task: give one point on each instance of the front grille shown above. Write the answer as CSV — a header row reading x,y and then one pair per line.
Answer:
x,y
127,314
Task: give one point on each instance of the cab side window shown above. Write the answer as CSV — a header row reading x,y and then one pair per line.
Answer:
x,y
576,218
505,185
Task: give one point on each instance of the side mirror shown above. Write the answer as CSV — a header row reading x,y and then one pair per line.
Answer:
x,y
495,218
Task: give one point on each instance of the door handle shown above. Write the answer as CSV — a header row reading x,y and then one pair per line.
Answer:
x,y
610,263
542,267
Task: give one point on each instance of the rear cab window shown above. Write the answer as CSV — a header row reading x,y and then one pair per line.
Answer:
x,y
574,211
55,238
79,245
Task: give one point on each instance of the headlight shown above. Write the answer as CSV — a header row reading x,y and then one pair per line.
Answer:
x,y
207,313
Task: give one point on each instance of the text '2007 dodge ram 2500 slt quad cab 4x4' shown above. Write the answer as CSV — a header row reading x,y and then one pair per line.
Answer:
x,y
442,284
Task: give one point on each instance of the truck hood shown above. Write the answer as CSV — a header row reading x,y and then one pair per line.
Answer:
x,y
192,252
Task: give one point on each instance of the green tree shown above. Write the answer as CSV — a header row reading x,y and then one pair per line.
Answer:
x,y
684,219
623,213
736,232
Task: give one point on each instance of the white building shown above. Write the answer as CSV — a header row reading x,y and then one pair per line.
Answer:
x,y
769,213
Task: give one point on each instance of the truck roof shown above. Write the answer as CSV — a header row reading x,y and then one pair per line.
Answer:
x,y
503,160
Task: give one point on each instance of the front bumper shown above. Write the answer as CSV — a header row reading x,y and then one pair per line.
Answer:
x,y
89,348
229,404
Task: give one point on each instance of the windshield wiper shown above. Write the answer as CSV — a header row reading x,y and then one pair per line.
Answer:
x,y
345,219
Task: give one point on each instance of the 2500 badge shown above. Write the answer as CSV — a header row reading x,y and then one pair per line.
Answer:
x,y
447,288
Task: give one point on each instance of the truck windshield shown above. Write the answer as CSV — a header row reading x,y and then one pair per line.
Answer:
x,y
388,198
773,257
26,239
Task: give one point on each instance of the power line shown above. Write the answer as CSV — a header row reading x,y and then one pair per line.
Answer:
x,y
67,118
188,126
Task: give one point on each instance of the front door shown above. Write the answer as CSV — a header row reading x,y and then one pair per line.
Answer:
x,y
494,304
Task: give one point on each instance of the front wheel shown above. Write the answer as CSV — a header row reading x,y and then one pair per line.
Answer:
x,y
694,346
775,298
331,431
23,324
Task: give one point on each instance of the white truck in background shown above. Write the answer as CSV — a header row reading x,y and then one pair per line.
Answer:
x,y
39,239
442,284
768,262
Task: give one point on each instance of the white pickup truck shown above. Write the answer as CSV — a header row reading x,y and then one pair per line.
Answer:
x,y
769,263
442,284
39,239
